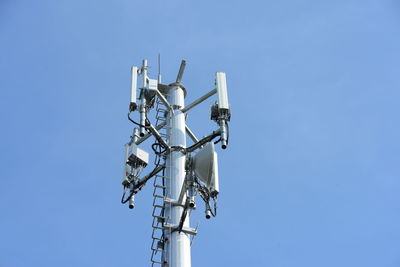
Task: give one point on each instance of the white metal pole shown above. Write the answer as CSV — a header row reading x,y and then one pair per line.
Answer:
x,y
177,249
143,99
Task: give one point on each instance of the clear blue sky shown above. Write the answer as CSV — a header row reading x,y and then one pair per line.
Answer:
x,y
312,174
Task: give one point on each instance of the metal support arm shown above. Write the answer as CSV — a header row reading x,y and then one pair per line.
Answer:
x,y
165,101
144,138
204,141
191,134
198,101
158,136
148,176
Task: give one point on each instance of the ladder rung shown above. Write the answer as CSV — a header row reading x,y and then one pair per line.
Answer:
x,y
156,227
160,218
156,223
159,196
157,193
156,233
156,213
155,202
160,186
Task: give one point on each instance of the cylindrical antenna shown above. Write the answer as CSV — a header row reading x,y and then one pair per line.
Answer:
x,y
181,70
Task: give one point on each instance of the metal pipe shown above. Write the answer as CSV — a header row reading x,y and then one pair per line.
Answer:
x,y
142,108
135,134
224,136
208,214
180,72
183,192
132,202
135,137
177,248
198,101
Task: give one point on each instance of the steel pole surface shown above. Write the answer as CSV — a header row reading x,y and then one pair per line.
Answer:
x,y
177,247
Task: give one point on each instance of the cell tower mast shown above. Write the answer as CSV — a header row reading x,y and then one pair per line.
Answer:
x,y
179,173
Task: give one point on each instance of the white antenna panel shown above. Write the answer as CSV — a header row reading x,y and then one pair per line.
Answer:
x,y
134,74
222,90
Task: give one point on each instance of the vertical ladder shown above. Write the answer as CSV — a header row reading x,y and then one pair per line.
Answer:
x,y
159,194
157,245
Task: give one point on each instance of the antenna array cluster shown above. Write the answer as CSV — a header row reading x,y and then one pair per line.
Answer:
x,y
180,172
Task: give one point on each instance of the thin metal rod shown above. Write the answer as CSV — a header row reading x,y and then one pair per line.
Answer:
x,y
191,134
144,138
198,101
183,192
203,141
158,136
164,100
159,68
142,108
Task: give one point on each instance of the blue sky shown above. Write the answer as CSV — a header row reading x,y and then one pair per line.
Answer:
x,y
311,176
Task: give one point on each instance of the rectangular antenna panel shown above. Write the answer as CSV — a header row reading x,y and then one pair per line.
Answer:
x,y
222,90
134,75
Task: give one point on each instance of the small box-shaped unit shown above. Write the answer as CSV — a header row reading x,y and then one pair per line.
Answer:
x,y
152,84
137,157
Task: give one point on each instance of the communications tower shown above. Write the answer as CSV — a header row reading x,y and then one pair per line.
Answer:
x,y
180,172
